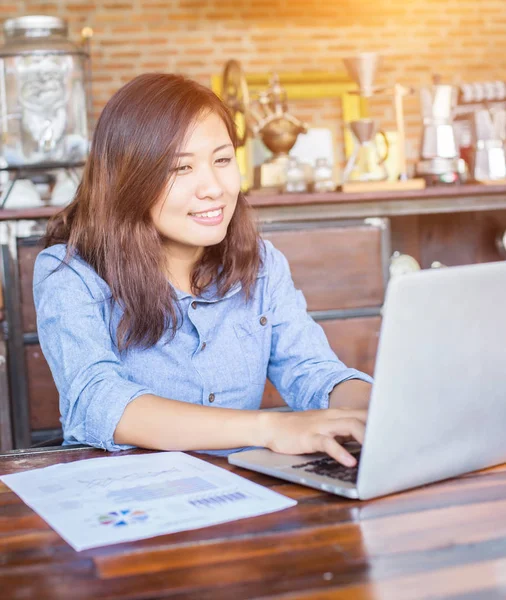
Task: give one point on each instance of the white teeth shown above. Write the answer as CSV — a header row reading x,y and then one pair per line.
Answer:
x,y
209,214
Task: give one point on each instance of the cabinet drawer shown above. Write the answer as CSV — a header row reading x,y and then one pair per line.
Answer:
x,y
355,341
27,253
337,267
43,398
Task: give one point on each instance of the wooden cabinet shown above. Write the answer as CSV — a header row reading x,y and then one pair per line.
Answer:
x,y
354,340
34,406
337,264
338,256
5,405
27,251
42,395
43,398
342,269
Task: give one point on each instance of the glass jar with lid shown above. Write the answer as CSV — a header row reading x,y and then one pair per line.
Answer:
x,y
323,181
43,94
295,176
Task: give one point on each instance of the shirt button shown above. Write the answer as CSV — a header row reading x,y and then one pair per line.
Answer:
x,y
211,397
194,304
263,320
203,347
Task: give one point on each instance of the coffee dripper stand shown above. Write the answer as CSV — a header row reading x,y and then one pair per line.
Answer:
x,y
366,162
362,70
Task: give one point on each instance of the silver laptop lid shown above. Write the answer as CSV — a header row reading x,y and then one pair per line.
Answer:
x,y
438,405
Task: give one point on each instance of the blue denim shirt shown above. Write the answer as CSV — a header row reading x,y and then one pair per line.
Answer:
x,y
271,336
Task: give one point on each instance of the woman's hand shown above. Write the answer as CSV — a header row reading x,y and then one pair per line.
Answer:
x,y
315,431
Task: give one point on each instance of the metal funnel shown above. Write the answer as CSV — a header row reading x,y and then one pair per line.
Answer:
x,y
363,129
362,69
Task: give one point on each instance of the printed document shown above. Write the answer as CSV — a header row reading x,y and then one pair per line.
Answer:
x,y
100,501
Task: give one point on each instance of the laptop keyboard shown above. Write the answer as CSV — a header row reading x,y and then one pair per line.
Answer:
x,y
328,467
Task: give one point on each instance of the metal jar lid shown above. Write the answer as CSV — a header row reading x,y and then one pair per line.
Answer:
x,y
38,34
35,26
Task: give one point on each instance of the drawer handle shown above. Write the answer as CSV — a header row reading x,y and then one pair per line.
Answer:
x,y
500,242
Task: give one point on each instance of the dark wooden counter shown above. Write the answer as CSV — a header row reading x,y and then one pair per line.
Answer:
x,y
431,201
258,199
436,199
447,540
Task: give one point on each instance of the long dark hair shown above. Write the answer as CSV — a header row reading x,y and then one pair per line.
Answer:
x,y
108,223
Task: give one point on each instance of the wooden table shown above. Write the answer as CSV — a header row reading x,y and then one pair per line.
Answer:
x,y
442,541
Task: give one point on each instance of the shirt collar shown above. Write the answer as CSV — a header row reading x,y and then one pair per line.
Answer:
x,y
210,294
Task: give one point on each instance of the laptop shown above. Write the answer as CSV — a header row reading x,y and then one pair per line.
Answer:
x,y
438,403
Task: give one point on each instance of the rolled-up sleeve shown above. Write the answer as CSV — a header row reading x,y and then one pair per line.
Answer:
x,y
74,334
302,366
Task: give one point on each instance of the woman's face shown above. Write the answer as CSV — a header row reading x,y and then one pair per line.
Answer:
x,y
201,197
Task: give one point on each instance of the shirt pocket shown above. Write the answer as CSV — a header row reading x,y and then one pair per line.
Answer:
x,y
254,335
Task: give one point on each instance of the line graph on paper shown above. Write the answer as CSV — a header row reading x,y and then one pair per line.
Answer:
x,y
104,482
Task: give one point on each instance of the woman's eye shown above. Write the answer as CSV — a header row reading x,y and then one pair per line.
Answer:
x,y
224,161
183,169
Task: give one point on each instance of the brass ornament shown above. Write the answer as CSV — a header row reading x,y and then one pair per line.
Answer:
x,y
235,95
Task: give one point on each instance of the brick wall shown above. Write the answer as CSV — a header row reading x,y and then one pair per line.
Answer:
x,y
463,40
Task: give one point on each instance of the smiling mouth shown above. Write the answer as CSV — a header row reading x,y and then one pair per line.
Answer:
x,y
210,214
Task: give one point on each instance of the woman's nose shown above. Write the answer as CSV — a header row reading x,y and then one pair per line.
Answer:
x,y
208,185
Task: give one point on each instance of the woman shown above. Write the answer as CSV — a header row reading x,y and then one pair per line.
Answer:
x,y
159,308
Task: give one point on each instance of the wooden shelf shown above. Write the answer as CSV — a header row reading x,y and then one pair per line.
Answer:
x,y
260,199
432,200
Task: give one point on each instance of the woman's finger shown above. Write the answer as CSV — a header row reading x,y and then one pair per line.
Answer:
x,y
349,427
329,445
